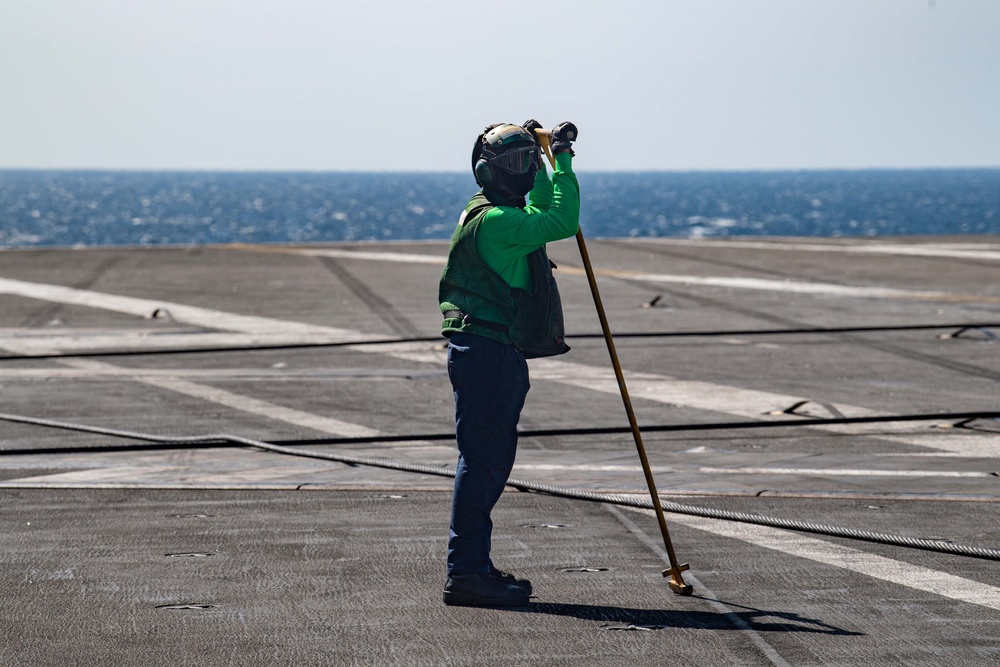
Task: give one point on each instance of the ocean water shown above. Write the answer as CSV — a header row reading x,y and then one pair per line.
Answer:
x,y
88,208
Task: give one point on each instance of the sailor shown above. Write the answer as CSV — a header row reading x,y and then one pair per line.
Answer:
x,y
500,306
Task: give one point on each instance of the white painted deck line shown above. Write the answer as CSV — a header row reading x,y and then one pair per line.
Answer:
x,y
267,374
126,475
760,284
201,468
238,402
706,593
988,447
800,287
953,444
204,317
403,257
68,341
748,470
747,403
951,250
871,565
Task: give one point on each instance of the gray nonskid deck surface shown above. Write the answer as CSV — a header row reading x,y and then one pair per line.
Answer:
x,y
116,552
137,576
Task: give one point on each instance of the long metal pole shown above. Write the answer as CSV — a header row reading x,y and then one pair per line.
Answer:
x,y
676,582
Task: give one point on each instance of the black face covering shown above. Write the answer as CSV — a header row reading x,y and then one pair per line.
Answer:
x,y
517,185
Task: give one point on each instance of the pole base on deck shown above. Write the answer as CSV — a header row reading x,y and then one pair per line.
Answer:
x,y
676,582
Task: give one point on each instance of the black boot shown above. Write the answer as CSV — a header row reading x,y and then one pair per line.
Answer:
x,y
511,579
483,590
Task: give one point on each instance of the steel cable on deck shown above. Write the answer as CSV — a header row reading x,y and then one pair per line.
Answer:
x,y
150,351
963,418
940,546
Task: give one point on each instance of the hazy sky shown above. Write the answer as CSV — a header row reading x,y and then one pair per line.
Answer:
x,y
407,84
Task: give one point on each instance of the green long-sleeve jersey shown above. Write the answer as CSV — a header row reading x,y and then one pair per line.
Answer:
x,y
507,235
497,247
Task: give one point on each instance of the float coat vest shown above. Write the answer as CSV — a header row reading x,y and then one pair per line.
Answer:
x,y
476,299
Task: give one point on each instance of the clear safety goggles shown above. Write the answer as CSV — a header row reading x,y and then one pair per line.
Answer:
x,y
517,161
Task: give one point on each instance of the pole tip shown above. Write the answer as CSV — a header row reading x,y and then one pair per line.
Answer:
x,y
676,582
680,588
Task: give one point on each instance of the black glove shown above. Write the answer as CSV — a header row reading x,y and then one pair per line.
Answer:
x,y
530,126
563,136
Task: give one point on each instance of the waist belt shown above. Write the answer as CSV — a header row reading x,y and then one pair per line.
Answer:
x,y
469,319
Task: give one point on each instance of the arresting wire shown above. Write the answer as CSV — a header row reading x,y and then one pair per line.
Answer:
x,y
941,546
961,326
961,419
668,428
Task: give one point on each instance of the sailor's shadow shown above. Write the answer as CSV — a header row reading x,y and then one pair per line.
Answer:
x,y
624,618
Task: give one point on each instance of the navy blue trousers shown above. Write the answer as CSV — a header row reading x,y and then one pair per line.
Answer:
x,y
490,381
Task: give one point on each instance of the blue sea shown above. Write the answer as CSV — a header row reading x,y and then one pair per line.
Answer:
x,y
92,208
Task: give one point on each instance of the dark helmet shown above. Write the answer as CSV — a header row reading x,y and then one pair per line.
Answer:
x,y
505,158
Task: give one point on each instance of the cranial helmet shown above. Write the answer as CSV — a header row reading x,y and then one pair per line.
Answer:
x,y
505,159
